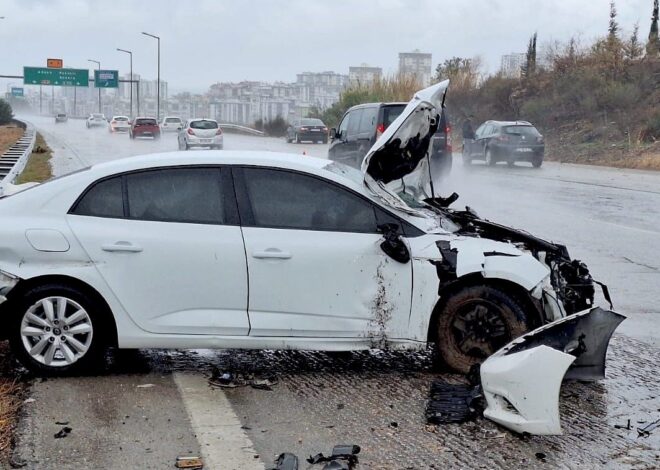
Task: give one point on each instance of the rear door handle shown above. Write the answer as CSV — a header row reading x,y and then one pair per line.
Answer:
x,y
272,253
121,246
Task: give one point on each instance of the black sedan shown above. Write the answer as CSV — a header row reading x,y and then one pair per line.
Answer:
x,y
505,141
312,130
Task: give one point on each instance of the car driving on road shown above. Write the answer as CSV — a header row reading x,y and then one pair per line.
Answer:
x,y
158,251
171,124
359,129
505,141
307,130
119,124
61,117
144,127
96,120
200,133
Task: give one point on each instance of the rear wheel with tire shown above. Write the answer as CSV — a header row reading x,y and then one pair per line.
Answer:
x,y
475,321
537,162
296,138
58,330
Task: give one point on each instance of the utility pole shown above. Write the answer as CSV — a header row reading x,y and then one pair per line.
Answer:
x,y
40,108
99,67
158,78
138,98
131,93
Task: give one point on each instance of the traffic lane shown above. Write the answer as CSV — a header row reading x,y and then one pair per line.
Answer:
x,y
607,217
131,416
74,146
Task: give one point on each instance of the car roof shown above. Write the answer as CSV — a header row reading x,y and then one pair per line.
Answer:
x,y
371,105
509,123
145,117
201,119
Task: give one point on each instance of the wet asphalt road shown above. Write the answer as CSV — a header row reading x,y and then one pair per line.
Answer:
x,y
609,218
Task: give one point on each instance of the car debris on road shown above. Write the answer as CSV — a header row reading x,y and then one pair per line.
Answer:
x,y
189,462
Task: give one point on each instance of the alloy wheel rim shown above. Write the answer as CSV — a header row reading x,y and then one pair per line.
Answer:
x,y
479,329
56,331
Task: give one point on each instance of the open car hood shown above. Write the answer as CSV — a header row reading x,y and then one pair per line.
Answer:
x,y
399,158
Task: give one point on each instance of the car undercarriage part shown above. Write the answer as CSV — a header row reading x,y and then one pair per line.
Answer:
x,y
344,456
521,381
452,403
286,461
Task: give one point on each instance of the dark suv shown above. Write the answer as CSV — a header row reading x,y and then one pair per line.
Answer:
x,y
359,129
363,124
505,141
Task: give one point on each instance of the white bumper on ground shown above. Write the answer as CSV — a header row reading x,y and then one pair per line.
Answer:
x,y
521,381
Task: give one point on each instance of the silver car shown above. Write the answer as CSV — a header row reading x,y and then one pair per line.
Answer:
x,y
200,133
96,120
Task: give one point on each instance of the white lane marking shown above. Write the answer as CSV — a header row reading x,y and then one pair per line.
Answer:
x,y
224,445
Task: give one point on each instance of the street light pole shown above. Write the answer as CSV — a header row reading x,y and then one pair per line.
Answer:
x,y
131,55
158,79
99,66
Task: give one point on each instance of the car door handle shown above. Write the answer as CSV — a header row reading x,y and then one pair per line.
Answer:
x,y
272,253
121,246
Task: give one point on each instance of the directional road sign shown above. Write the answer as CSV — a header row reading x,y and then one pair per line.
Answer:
x,y
106,78
55,77
16,91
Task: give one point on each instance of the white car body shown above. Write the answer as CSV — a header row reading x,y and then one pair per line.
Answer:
x,y
119,124
171,124
246,281
96,120
200,133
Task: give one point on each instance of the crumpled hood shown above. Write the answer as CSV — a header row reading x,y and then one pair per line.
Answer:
x,y
399,156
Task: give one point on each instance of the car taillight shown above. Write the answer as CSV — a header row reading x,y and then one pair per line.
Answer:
x,y
303,128
113,122
218,132
380,128
191,132
325,129
539,139
503,138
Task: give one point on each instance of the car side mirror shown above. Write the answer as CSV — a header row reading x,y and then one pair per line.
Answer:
x,y
393,246
333,133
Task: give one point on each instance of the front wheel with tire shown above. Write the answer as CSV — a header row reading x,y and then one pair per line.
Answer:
x,y
57,330
537,162
474,322
296,138
490,159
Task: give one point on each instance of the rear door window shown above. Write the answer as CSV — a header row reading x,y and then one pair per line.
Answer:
x,y
527,131
104,199
145,122
189,195
368,120
204,125
343,126
390,113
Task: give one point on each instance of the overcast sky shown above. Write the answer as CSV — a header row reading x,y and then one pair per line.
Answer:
x,y
206,41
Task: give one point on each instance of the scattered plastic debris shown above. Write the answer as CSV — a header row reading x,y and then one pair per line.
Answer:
x,y
61,423
452,403
627,427
286,461
29,400
145,386
646,430
190,462
230,380
541,456
342,457
65,431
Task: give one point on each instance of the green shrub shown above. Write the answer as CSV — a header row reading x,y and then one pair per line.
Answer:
x,y
6,114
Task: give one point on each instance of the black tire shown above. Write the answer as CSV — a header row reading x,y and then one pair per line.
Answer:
x,y
510,163
91,360
474,322
325,141
297,138
537,162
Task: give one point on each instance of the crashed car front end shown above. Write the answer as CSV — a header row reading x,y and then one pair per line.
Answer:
x,y
7,283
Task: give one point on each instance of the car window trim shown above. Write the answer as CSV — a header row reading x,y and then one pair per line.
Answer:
x,y
224,179
246,213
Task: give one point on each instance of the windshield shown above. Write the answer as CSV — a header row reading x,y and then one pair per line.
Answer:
x,y
121,118
311,122
172,120
527,131
98,116
204,125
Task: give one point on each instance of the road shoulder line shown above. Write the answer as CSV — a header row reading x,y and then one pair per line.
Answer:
x,y
224,444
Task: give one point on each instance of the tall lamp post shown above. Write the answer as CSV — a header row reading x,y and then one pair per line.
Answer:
x,y
99,66
130,53
158,79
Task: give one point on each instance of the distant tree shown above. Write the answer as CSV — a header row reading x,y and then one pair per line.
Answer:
x,y
633,48
613,29
529,68
653,44
6,114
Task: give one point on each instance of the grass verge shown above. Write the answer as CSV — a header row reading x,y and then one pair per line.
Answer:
x,y
12,388
9,134
38,167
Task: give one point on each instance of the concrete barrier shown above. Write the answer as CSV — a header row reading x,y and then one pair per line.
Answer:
x,y
13,161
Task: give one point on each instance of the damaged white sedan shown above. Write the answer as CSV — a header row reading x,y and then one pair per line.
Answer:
x,y
260,250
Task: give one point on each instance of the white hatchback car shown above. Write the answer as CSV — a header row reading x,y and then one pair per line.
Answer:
x,y
200,133
171,124
96,120
119,124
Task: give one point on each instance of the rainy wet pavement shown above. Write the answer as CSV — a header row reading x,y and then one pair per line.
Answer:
x,y
609,218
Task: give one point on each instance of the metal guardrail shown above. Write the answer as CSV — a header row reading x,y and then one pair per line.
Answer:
x,y
13,161
239,128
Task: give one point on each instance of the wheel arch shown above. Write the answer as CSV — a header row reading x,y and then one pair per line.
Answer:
x,y
25,284
532,306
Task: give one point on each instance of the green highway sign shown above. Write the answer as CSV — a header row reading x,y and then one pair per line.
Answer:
x,y
106,78
16,91
55,77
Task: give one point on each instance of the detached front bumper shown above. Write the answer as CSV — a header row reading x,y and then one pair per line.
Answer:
x,y
521,381
7,283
